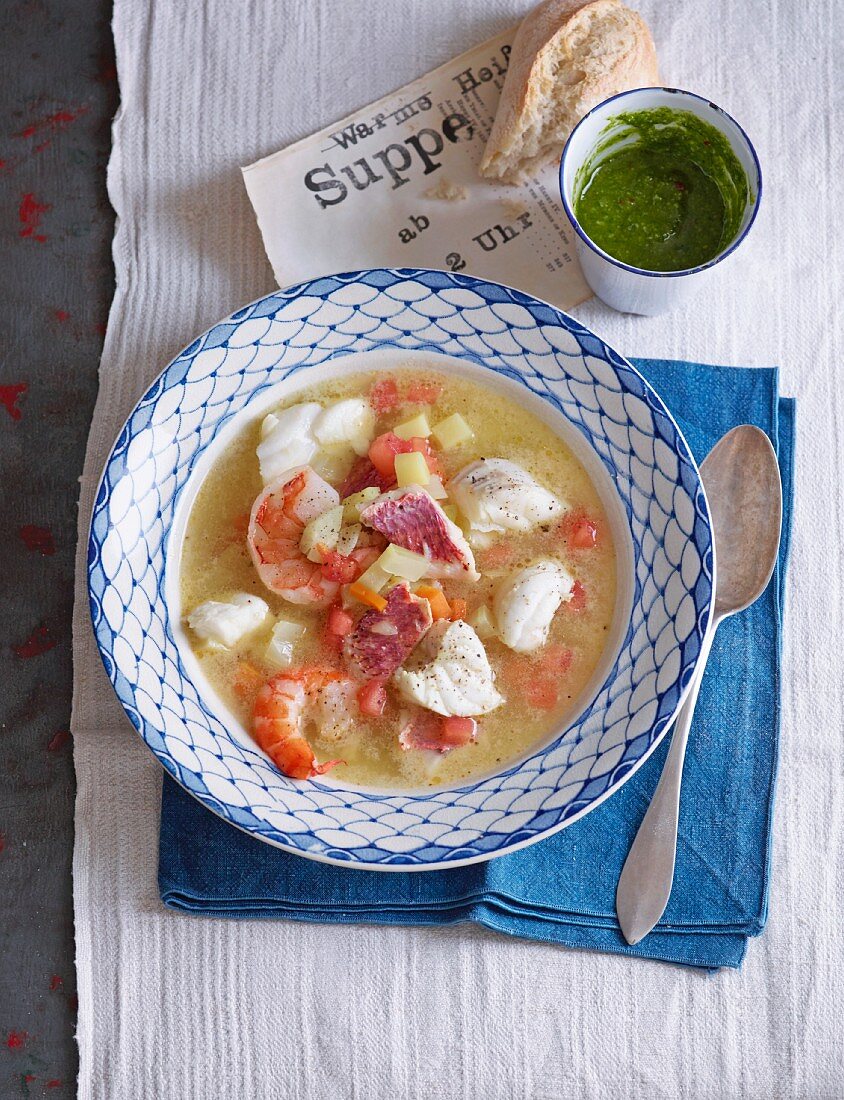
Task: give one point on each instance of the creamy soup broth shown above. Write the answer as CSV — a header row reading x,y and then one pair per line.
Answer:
x,y
540,689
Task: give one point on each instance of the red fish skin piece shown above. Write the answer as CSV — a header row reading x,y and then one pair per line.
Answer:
x,y
363,475
415,522
372,655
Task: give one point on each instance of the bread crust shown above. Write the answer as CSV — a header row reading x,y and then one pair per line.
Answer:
x,y
559,41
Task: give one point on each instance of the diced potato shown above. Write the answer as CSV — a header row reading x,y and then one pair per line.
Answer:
x,y
282,642
348,540
418,426
353,504
412,469
403,563
483,623
375,577
451,432
325,530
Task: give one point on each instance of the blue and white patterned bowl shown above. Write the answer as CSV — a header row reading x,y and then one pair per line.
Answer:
x,y
607,413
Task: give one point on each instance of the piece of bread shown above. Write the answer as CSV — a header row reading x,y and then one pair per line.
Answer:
x,y
567,56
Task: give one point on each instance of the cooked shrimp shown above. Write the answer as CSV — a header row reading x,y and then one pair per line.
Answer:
x,y
281,709
278,518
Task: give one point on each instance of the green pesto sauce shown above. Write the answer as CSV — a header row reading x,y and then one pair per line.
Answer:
x,y
662,190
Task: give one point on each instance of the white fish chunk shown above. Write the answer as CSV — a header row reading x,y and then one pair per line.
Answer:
x,y
412,519
449,673
225,623
287,440
350,422
497,495
525,603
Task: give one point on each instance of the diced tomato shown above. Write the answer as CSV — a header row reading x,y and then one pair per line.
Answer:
x,y
424,393
555,660
384,395
342,568
423,446
340,622
458,731
458,609
383,451
579,531
372,698
247,681
578,597
542,692
496,556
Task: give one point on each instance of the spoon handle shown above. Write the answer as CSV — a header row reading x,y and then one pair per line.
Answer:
x,y
648,873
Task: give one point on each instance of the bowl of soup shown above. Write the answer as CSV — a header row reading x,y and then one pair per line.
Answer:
x,y
400,569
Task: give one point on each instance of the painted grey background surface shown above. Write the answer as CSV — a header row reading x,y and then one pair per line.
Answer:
x,y
58,92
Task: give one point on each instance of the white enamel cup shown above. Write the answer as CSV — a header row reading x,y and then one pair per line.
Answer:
x,y
632,289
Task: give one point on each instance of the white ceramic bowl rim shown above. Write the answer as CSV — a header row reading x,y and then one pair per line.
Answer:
x,y
505,331
643,270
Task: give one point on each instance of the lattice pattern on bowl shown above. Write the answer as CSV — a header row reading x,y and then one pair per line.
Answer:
x,y
515,335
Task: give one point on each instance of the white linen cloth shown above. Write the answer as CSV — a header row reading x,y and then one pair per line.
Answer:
x,y
177,1007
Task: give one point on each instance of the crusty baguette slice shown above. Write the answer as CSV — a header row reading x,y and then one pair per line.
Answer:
x,y
567,56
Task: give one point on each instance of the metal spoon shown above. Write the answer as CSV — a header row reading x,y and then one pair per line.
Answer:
x,y
742,482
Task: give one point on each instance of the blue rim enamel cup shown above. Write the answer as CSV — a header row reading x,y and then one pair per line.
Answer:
x,y
631,289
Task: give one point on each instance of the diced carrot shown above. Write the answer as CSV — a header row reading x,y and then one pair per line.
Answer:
x,y
340,622
440,607
384,395
458,609
424,393
372,698
367,596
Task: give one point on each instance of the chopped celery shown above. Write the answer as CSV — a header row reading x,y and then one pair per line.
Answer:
x,y
267,424
284,637
348,540
435,488
412,469
451,432
482,622
418,426
451,511
353,504
403,563
324,530
375,577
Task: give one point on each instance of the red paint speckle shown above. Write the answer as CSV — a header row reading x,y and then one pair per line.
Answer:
x,y
56,982
39,641
54,1083
29,1078
60,739
9,396
73,1003
53,123
29,215
16,1040
107,72
2,841
61,315
37,538
100,327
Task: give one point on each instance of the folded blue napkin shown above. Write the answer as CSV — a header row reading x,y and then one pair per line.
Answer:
x,y
562,890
